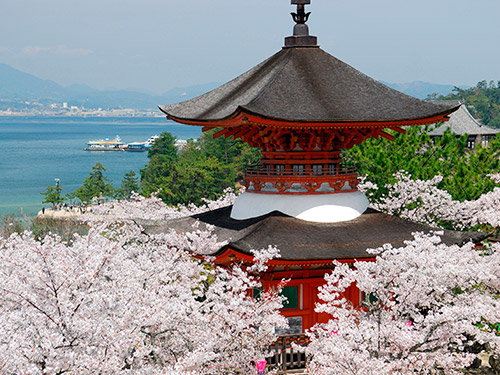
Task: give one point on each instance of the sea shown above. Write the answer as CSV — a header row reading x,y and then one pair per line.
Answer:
x,y
34,151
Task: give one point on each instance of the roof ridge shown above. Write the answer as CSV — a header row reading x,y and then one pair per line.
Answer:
x,y
242,86
271,81
464,107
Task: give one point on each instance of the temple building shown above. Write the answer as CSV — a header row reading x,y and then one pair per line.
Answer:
x,y
462,122
301,107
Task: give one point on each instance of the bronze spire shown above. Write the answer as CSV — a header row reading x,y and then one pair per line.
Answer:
x,y
301,37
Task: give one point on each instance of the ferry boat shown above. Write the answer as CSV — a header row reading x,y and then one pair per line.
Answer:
x,y
136,146
105,145
141,146
151,140
117,145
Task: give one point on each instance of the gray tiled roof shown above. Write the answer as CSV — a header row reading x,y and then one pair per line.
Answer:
x,y
298,239
306,84
461,122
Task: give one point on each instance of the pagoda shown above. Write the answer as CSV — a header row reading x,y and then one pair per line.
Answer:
x,y
301,107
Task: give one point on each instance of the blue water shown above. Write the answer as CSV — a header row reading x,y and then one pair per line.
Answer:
x,y
35,151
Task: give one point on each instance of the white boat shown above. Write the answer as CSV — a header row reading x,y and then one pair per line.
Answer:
x,y
105,145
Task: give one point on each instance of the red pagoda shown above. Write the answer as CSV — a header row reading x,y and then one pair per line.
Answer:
x,y
301,107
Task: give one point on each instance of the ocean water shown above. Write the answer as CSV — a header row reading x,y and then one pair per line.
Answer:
x,y
36,151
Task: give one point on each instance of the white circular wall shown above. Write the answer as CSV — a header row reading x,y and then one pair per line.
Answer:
x,y
322,208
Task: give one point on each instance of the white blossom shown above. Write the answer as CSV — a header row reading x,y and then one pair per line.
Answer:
x,y
422,201
152,208
424,303
117,301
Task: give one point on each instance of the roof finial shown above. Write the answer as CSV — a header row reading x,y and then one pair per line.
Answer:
x,y
301,37
301,16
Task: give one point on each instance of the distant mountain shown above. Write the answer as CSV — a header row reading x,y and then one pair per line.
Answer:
x,y
421,90
17,86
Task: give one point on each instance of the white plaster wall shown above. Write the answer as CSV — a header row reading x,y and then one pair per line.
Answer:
x,y
322,208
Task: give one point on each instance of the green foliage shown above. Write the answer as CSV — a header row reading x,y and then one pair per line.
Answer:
x,y
95,185
234,153
164,145
162,156
52,194
483,101
202,169
465,172
130,183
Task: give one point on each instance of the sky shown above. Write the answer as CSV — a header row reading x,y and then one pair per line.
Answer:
x,y
158,45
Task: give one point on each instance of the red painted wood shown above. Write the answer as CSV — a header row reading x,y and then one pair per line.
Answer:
x,y
307,273
242,118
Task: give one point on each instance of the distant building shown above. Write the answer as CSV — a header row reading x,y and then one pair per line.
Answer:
x,y
461,122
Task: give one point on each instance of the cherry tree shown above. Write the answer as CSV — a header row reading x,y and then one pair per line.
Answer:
x,y
422,201
153,208
118,301
423,304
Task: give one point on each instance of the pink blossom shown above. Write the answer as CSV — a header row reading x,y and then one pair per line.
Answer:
x,y
261,366
117,301
423,202
438,291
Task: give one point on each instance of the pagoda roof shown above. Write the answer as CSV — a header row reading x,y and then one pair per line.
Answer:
x,y
306,84
302,240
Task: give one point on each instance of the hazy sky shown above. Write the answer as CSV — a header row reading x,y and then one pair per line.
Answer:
x,y
161,44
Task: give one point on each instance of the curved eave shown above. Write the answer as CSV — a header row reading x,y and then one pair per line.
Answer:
x,y
243,116
228,255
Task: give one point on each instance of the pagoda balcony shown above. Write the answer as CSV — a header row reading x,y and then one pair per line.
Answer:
x,y
301,179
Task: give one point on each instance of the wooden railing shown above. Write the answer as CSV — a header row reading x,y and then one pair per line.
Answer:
x,y
285,356
302,173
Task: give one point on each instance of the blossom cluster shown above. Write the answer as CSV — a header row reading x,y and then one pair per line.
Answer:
x,y
422,201
118,301
423,305
138,207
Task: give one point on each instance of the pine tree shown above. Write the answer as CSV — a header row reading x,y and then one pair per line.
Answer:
x,y
130,183
95,185
52,194
465,172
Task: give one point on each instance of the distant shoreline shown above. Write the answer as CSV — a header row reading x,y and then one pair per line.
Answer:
x,y
81,115
38,149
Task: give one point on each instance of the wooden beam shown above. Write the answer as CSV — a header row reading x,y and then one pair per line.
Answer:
x,y
231,131
386,136
241,132
398,129
247,137
220,132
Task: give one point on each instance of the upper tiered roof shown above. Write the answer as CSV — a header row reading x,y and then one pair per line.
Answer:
x,y
304,84
301,107
307,85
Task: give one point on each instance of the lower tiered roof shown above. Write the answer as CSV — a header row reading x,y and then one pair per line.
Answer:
x,y
300,240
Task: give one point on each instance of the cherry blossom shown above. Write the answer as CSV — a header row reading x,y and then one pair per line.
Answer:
x,y
422,201
153,208
424,303
118,301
